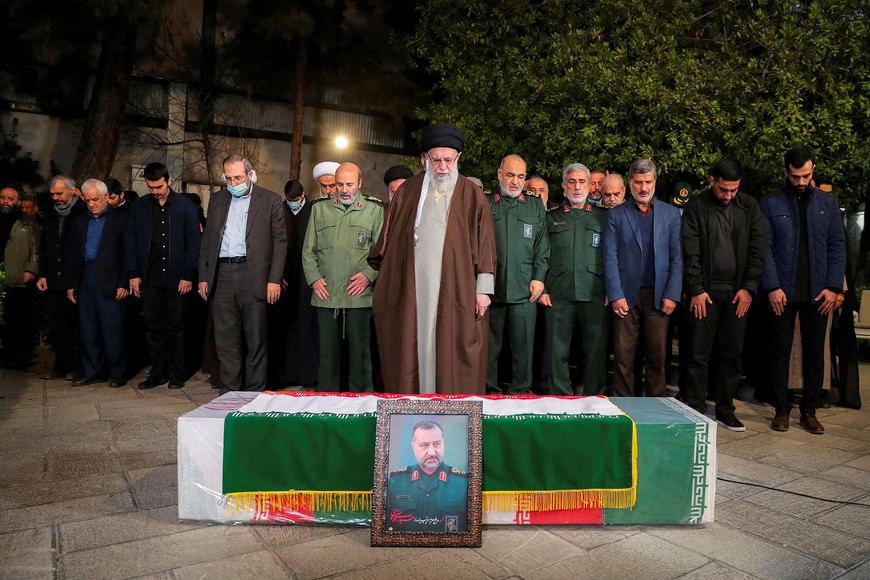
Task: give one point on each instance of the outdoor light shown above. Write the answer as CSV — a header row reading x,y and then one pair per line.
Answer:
x,y
341,141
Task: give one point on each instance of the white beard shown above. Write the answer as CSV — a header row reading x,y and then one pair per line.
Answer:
x,y
441,186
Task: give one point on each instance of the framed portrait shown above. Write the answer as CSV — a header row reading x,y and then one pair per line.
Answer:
x,y
427,480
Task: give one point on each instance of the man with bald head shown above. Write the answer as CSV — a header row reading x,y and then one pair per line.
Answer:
x,y
612,190
523,252
341,232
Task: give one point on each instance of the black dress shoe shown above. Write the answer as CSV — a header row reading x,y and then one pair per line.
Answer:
x,y
152,382
175,384
56,374
117,382
83,381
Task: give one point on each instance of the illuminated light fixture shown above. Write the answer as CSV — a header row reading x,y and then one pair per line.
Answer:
x,y
341,142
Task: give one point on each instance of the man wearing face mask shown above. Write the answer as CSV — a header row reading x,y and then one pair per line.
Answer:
x,y
340,234
241,263
302,338
575,286
523,251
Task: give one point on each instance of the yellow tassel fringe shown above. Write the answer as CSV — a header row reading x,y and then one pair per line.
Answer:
x,y
318,501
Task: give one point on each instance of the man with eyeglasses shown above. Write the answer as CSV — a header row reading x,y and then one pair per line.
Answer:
x,y
241,262
724,243
436,257
523,251
643,276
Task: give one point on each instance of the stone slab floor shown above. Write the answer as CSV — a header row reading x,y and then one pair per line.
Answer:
x,y
88,490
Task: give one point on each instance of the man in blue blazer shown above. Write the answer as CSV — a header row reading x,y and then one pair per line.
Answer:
x,y
163,249
97,278
643,277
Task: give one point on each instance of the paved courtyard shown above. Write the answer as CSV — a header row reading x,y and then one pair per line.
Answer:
x,y
88,490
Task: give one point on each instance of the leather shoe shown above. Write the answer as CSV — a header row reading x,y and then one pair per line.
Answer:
x,y
56,374
780,421
152,382
174,384
117,382
811,424
83,381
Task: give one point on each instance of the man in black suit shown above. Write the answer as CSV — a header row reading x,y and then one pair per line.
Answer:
x,y
302,332
97,279
62,314
241,263
163,249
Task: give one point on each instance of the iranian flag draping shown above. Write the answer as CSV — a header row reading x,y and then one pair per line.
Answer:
x,y
313,453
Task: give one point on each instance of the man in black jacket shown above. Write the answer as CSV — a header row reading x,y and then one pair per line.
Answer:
x,y
724,244
163,254
62,314
97,280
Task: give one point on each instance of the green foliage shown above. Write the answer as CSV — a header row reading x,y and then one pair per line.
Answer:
x,y
681,81
17,170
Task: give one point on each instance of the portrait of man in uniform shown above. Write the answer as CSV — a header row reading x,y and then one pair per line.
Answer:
x,y
425,493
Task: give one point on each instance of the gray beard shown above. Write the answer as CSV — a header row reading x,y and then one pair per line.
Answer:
x,y
443,185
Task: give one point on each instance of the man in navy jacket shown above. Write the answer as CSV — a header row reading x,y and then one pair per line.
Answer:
x,y
803,273
96,278
643,277
163,252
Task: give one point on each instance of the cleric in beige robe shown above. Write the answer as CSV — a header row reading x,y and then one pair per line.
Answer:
x,y
436,259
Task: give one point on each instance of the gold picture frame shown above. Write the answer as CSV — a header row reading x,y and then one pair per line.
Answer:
x,y
428,471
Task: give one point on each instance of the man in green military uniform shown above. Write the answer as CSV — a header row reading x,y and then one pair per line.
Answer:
x,y
523,251
430,496
575,286
341,232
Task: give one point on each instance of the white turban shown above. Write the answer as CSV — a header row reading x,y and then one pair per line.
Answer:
x,y
325,168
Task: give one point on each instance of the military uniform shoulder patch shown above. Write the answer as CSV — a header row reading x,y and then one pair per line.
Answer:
x,y
321,198
531,193
553,208
374,199
400,470
457,471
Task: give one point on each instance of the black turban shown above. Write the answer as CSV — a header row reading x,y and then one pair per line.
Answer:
x,y
441,135
397,172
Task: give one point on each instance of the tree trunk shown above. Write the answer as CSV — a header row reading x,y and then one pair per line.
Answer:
x,y
95,155
299,110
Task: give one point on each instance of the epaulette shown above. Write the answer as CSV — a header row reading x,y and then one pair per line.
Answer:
x,y
487,192
321,198
457,471
531,193
554,208
400,470
374,199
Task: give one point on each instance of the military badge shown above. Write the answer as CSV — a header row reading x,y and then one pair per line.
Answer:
x,y
596,240
527,231
361,238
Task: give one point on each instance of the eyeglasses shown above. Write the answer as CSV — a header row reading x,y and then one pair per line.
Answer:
x,y
442,160
236,179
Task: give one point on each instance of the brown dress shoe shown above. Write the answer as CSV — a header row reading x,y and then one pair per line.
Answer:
x,y
812,425
780,421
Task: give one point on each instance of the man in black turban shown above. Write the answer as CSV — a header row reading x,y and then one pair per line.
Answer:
x,y
436,256
395,176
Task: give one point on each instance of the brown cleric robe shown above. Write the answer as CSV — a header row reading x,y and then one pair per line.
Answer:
x,y
460,337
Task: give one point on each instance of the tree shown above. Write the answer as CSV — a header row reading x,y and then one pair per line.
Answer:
x,y
19,170
681,81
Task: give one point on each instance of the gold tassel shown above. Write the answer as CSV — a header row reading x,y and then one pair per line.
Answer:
x,y
316,501
569,499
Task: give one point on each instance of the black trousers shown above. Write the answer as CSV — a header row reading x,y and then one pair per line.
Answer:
x,y
814,325
722,329
101,329
163,308
63,319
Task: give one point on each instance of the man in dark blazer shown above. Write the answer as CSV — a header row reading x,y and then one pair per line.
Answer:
x,y
163,250
643,277
241,263
97,280
62,314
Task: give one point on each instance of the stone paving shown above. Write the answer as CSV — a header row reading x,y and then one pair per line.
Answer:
x,y
88,490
